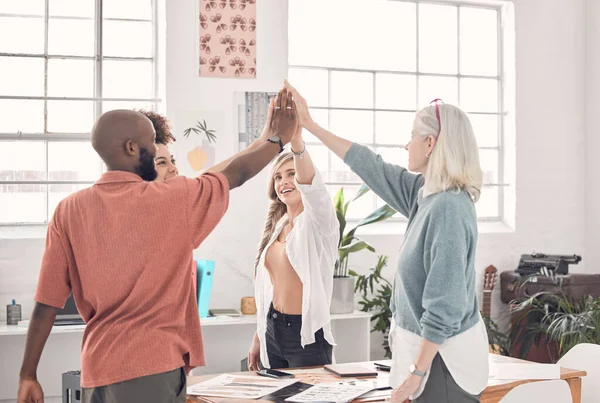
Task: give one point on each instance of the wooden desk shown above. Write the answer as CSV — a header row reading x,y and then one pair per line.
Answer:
x,y
496,389
492,394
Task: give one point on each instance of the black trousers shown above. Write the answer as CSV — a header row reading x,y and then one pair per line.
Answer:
x,y
283,343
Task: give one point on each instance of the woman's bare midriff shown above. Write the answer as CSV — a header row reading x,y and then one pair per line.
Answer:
x,y
287,287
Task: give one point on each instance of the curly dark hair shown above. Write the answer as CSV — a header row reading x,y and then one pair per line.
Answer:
x,y
161,126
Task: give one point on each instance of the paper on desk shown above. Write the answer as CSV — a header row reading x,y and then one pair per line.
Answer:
x,y
315,376
334,392
239,386
523,371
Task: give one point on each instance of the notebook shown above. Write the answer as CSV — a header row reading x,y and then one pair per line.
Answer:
x,y
350,370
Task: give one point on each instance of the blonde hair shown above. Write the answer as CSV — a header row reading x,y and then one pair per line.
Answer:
x,y
277,209
454,161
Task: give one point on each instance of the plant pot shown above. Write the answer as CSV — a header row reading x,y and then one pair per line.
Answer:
x,y
342,298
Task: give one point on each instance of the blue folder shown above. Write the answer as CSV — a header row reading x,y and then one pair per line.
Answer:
x,y
205,273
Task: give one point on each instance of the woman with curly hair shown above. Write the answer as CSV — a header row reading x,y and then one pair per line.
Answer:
x,y
164,160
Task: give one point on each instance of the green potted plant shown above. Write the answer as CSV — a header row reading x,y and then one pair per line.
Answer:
x,y
376,294
342,300
551,323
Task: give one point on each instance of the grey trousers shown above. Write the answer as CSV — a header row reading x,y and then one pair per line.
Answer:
x,y
441,387
168,387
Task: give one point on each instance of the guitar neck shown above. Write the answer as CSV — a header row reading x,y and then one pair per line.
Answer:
x,y
487,303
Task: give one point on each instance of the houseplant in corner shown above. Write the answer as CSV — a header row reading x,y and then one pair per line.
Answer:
x,y
376,299
342,300
552,322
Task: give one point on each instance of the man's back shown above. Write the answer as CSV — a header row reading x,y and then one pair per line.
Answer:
x,y
124,247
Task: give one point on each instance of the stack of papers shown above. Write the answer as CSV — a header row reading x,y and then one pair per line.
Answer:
x,y
239,387
335,392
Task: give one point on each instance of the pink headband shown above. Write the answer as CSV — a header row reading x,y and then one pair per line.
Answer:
x,y
437,113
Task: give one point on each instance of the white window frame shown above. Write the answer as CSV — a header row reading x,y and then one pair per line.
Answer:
x,y
10,230
398,221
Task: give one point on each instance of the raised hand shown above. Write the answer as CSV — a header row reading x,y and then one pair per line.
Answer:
x,y
301,107
284,121
265,133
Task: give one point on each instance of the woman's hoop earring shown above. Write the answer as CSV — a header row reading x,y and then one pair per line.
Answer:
x,y
427,155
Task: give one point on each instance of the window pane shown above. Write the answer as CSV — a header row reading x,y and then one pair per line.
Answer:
x,y
56,193
30,32
127,38
70,116
135,9
341,172
394,155
72,161
127,79
321,117
30,7
24,115
22,204
71,8
431,88
479,95
355,126
395,91
70,78
110,106
438,38
312,84
359,208
393,127
353,90
22,160
70,37
485,128
487,205
478,41
350,27
21,76
320,156
489,165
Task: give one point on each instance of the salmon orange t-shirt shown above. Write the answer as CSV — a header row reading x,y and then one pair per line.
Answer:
x,y
124,248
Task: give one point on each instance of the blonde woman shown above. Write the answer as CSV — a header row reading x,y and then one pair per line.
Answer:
x,y
294,267
438,338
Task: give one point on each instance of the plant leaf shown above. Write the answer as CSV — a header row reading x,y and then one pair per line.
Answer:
x,y
363,189
357,246
382,213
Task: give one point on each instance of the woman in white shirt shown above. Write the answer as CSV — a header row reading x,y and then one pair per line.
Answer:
x,y
294,267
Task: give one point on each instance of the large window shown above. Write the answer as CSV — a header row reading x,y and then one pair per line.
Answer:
x,y
366,67
62,64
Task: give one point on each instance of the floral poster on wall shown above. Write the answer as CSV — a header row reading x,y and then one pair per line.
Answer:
x,y
227,38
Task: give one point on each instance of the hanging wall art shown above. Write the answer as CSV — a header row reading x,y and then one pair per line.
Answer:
x,y
227,38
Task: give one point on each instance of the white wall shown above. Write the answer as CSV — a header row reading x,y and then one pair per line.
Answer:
x,y
592,84
551,148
